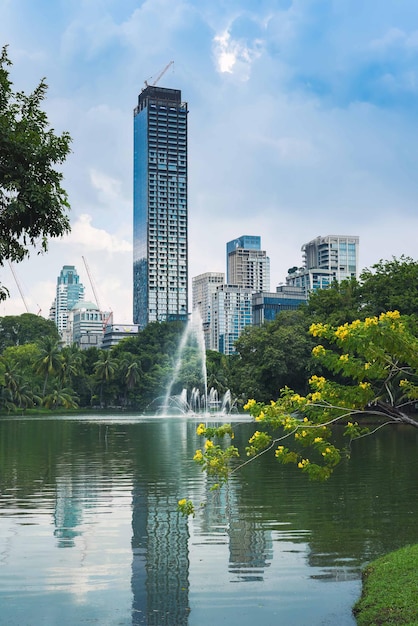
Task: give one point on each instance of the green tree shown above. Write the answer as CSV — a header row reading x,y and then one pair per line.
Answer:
x,y
60,396
16,330
49,360
105,369
376,364
377,360
33,204
71,364
339,303
130,372
271,356
390,286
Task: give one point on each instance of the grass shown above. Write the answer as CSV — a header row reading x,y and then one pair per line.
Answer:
x,y
390,590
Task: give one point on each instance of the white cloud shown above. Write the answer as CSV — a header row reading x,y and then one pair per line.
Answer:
x,y
83,233
233,56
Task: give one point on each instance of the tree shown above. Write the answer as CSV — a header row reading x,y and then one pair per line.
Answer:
x,y
33,204
16,330
339,303
271,356
49,360
390,285
376,364
59,396
105,369
377,360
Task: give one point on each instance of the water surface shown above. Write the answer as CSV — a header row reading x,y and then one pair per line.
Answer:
x,y
89,532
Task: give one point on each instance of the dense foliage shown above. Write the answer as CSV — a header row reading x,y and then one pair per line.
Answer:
x,y
33,204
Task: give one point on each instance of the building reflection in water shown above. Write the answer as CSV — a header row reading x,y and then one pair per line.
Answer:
x,y
160,564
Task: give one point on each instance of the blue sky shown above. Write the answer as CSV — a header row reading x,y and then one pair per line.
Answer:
x,y
302,122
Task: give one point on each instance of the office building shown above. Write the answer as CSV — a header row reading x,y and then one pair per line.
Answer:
x,y
203,288
114,333
326,259
160,263
87,322
266,306
247,265
69,291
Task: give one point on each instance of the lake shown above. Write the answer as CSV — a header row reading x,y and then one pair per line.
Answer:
x,y
90,533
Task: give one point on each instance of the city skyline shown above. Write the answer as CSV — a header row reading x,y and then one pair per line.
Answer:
x,y
301,125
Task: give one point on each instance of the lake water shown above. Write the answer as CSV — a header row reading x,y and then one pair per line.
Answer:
x,y
89,532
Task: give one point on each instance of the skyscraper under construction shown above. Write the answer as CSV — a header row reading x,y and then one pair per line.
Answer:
x,y
160,262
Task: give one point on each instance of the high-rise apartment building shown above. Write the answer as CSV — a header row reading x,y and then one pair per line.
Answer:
x,y
203,288
231,312
69,292
325,259
160,262
247,265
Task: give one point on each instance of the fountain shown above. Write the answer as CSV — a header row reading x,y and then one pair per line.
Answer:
x,y
198,399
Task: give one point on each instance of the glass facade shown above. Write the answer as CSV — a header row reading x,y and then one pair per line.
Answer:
x,y
326,259
160,262
231,312
69,292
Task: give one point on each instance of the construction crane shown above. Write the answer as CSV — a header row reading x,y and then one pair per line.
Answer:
x,y
92,283
19,287
109,314
159,76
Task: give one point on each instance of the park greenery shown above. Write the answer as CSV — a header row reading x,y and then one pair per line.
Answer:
x,y
389,590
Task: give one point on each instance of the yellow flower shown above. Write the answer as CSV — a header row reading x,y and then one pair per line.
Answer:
x,y
317,439
366,366
260,417
249,404
370,321
344,357
326,451
317,381
305,419
390,315
198,456
316,396
342,332
364,385
279,451
208,444
201,429
303,463
316,330
318,350
182,502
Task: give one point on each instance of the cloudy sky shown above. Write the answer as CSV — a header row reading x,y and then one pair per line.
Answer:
x,y
302,122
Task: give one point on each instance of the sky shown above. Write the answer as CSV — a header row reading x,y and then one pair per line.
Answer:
x,y
302,122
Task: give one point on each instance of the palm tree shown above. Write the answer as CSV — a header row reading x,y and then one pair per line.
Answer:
x,y
104,369
70,363
61,397
131,372
49,360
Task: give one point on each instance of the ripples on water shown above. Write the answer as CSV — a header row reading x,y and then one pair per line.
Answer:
x,y
89,531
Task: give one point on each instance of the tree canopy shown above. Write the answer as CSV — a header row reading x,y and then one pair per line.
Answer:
x,y
33,203
372,377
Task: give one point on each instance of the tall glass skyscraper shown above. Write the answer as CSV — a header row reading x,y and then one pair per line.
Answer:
x,y
69,292
160,263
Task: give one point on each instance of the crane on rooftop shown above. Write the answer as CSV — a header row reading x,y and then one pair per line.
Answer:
x,y
159,76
